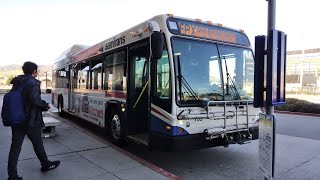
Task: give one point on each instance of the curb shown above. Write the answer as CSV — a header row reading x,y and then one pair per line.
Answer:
x,y
298,113
132,156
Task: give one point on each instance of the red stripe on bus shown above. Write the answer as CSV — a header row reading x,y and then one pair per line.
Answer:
x,y
117,94
156,111
89,52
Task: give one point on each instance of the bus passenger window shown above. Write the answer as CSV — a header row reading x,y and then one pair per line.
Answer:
x,y
118,78
115,72
97,75
75,76
83,76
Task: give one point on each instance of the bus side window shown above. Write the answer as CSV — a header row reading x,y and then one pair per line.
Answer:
x,y
83,76
75,77
107,72
96,74
118,78
115,71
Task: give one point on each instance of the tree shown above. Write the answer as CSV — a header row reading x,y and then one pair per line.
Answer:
x,y
9,79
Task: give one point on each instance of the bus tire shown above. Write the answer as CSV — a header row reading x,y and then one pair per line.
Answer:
x,y
116,130
60,107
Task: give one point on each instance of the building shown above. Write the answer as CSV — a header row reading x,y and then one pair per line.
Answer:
x,y
303,71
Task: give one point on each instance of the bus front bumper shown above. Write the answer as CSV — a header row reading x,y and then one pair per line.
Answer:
x,y
192,141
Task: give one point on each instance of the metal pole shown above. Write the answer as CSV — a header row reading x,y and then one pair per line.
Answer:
x,y
271,26
271,14
270,109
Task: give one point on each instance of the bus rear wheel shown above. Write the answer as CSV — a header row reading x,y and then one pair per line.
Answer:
x,y
60,106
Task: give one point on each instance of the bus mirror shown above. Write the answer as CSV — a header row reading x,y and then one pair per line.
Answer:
x,y
157,45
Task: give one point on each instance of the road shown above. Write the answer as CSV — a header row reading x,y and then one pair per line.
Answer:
x,y
298,126
297,154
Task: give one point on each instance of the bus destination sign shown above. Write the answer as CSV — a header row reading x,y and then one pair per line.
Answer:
x,y
206,31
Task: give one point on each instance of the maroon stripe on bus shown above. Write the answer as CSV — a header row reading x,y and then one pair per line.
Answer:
x,y
156,111
117,94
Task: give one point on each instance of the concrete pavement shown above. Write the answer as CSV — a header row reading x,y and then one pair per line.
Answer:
x,y
82,157
297,158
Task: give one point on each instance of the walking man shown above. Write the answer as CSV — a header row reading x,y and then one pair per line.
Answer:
x,y
34,106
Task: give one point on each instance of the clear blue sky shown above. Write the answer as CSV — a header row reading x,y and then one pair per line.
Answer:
x,y
40,30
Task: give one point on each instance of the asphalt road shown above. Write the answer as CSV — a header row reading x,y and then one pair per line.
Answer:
x,y
298,126
297,154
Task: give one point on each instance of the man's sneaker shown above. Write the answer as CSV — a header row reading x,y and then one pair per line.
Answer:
x,y
15,178
51,165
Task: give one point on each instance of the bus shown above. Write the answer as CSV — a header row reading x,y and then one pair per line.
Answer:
x,y
169,83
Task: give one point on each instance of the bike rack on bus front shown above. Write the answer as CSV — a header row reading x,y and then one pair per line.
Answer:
x,y
236,103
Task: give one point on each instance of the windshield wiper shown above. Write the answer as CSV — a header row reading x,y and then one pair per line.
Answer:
x,y
183,83
234,91
179,77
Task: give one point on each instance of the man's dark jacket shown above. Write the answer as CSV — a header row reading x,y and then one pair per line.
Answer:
x,y
33,103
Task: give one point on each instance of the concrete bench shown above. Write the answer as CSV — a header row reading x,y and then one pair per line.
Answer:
x,y
50,124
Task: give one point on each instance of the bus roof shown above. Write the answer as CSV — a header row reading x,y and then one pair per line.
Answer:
x,y
71,51
205,30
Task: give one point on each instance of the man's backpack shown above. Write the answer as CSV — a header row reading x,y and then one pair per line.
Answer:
x,y
13,112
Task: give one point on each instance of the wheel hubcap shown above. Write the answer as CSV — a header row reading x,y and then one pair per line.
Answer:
x,y
115,126
59,108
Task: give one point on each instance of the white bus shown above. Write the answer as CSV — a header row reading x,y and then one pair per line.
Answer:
x,y
170,83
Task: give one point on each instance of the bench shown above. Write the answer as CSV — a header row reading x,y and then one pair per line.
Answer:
x,y
50,124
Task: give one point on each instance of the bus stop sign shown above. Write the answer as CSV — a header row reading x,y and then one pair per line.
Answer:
x,y
270,69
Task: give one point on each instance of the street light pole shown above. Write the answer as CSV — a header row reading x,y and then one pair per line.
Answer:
x,y
46,81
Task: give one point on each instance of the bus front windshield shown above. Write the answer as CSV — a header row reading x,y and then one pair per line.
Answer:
x,y
210,72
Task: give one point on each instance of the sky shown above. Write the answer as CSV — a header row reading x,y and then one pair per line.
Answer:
x,y
40,30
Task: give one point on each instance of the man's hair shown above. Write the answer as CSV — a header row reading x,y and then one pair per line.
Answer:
x,y
28,67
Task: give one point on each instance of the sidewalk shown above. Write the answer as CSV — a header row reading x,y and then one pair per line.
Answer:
x,y
82,157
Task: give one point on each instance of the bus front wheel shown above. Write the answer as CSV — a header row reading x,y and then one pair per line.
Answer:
x,y
116,127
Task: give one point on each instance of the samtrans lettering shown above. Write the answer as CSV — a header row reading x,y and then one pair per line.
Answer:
x,y
115,43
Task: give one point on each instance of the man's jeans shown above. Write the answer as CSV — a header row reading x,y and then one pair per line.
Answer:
x,y
18,134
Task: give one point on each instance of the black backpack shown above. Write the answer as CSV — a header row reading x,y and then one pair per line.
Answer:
x,y
13,112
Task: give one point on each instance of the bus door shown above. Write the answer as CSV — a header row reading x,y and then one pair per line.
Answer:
x,y
138,89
